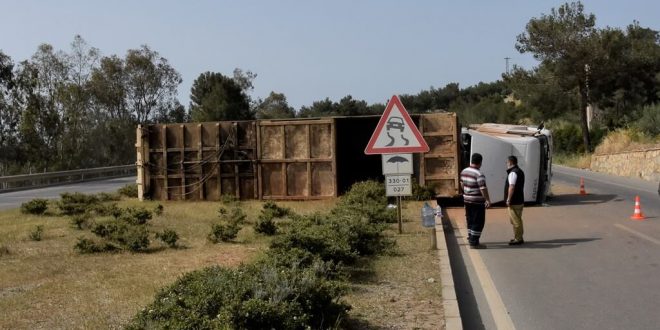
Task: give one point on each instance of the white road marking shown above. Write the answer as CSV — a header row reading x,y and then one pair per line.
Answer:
x,y
497,309
638,234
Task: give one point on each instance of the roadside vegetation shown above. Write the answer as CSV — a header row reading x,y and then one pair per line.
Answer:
x,y
96,261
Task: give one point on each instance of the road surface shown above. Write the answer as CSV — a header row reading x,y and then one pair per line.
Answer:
x,y
586,264
14,199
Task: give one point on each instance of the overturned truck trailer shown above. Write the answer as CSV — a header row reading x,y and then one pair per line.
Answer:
x,y
298,159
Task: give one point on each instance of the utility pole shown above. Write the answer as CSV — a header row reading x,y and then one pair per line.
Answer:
x,y
506,60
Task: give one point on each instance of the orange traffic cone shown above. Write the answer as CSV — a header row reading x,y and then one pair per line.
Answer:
x,y
638,215
582,191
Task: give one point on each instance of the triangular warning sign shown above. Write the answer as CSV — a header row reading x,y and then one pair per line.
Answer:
x,y
396,132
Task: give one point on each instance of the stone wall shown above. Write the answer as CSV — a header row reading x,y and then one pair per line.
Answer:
x,y
642,164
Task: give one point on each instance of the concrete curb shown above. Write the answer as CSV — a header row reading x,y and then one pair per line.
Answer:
x,y
452,315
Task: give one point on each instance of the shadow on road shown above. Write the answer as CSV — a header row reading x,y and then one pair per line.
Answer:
x,y
547,244
577,199
467,303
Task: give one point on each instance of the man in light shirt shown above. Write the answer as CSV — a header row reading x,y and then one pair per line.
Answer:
x,y
515,198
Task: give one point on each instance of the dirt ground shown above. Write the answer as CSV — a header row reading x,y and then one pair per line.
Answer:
x,y
401,291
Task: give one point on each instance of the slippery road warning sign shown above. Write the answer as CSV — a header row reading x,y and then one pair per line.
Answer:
x,y
396,132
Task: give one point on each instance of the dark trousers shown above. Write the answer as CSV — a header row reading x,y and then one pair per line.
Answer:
x,y
475,214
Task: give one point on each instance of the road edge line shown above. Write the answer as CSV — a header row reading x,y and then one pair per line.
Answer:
x,y
638,234
496,306
450,311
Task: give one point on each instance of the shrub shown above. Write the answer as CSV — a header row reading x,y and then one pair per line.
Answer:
x,y
228,199
421,193
169,237
366,199
135,216
136,239
224,232
108,197
265,224
649,121
76,203
158,210
36,206
235,215
85,245
37,233
123,235
336,238
129,190
276,210
80,221
104,209
222,211
258,296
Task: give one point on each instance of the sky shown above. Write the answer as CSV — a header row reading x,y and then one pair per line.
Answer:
x,y
308,50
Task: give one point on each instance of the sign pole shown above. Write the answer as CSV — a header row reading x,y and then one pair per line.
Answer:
x,y
398,208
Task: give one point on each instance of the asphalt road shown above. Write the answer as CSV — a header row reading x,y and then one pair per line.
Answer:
x,y
14,199
586,264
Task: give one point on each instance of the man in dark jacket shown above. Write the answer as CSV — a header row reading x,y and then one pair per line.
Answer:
x,y
515,198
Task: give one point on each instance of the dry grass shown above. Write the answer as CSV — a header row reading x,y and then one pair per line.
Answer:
x,y
625,140
401,291
46,285
573,160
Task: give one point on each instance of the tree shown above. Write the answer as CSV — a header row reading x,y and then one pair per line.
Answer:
x,y
565,42
9,116
215,97
348,106
322,108
274,106
151,83
76,101
39,84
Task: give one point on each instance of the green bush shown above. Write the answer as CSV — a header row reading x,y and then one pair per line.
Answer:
x,y
235,215
80,221
37,233
76,203
123,235
258,296
135,216
276,210
228,199
229,226
85,246
265,224
224,232
649,121
104,209
169,237
336,238
129,190
421,193
366,199
36,206
158,210
108,197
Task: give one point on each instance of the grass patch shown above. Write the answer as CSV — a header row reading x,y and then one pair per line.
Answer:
x,y
48,284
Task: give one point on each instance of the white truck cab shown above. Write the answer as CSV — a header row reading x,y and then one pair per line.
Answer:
x,y
495,142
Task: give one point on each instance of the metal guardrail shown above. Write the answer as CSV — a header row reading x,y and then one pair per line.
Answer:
x,y
30,181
